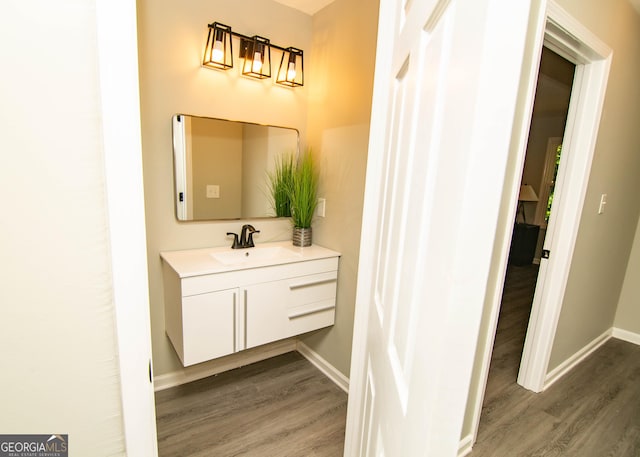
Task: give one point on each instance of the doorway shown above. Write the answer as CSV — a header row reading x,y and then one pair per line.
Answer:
x,y
542,158
565,36
537,188
570,40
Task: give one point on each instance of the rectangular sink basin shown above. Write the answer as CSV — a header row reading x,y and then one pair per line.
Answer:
x,y
258,255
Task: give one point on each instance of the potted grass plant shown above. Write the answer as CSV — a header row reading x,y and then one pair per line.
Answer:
x,y
279,182
303,198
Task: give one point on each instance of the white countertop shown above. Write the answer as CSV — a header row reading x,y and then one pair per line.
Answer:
x,y
196,262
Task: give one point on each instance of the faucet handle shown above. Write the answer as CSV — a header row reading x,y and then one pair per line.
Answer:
x,y
250,240
236,243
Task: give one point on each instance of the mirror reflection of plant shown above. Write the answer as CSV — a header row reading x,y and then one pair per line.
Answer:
x,y
279,182
303,192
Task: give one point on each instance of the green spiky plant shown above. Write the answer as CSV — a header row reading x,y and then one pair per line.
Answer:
x,y
279,184
303,193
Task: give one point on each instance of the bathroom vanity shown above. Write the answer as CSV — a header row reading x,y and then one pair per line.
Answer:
x,y
219,301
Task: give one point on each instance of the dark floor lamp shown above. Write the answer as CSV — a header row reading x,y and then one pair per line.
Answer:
x,y
527,194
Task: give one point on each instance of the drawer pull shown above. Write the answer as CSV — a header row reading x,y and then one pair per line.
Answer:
x,y
311,283
235,324
244,324
306,312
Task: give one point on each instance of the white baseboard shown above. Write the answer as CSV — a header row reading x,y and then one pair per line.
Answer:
x,y
626,335
240,359
465,446
575,359
321,364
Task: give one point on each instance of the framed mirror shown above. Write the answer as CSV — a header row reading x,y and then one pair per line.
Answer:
x,y
221,167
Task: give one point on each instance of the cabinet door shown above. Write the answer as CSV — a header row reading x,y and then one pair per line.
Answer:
x,y
208,325
281,309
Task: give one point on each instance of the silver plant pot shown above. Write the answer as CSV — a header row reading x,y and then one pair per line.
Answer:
x,y
302,236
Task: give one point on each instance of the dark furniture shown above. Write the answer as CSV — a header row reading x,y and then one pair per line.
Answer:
x,y
523,244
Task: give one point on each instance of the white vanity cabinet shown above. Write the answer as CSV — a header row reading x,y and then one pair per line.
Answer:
x,y
215,308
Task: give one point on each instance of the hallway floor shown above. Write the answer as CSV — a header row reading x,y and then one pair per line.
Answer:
x,y
593,411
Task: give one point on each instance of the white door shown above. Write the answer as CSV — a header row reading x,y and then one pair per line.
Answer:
x,y
444,101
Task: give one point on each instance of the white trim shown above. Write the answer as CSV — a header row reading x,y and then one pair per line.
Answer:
x,y
358,371
566,35
466,444
546,181
240,359
321,364
626,335
569,364
521,132
119,93
179,163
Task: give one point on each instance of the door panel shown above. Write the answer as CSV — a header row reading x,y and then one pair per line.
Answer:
x,y
440,104
208,325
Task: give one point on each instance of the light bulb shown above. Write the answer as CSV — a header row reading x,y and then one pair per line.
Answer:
x,y
291,71
257,63
217,55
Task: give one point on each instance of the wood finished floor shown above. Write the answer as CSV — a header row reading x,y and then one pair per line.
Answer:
x,y
279,407
594,411
286,407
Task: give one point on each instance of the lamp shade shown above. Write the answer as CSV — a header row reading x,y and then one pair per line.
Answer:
x,y
291,70
527,194
257,57
219,51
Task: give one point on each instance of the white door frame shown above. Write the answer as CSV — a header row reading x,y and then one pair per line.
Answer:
x,y
548,179
119,92
563,34
567,37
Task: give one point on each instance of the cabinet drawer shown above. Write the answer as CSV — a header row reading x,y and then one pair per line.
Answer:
x,y
208,326
281,309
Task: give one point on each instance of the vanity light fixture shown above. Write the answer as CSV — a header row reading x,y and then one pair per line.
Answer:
x,y
219,50
291,71
256,54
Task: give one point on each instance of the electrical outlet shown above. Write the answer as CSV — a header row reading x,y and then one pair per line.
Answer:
x,y
321,207
213,191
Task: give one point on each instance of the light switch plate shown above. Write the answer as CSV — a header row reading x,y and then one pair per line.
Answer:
x,y
603,203
213,191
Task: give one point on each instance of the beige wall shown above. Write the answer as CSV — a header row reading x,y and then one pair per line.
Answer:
x,y
340,89
171,38
604,241
628,313
59,357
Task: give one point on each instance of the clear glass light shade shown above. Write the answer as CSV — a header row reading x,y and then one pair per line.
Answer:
x,y
291,70
256,66
257,57
218,52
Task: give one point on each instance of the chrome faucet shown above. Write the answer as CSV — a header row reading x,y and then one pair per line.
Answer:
x,y
246,237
